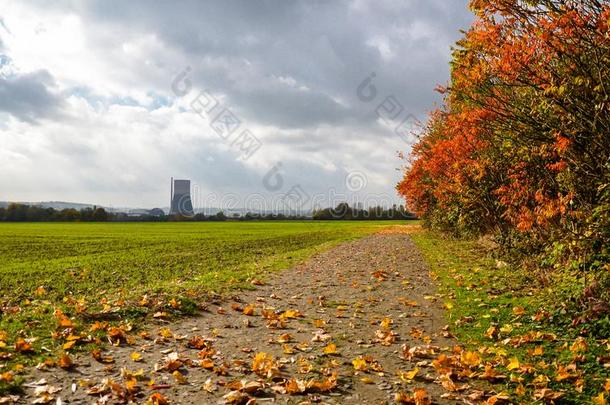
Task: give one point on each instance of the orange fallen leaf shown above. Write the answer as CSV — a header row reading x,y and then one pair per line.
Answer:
x,y
249,310
319,323
65,362
285,338
207,364
97,355
21,346
197,342
158,399
518,311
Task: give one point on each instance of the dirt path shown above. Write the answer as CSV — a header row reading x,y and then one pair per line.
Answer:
x,y
332,330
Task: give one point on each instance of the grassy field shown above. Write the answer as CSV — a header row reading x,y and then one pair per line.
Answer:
x,y
94,259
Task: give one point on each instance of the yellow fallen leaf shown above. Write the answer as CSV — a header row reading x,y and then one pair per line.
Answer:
x,y
579,346
386,323
287,349
599,399
209,386
136,356
470,358
331,348
179,377
513,364
291,314
359,364
536,351
408,376
166,333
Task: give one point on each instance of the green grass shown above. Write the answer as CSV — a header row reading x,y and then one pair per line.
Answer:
x,y
93,259
481,295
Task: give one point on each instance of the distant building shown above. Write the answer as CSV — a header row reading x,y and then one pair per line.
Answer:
x,y
137,213
181,203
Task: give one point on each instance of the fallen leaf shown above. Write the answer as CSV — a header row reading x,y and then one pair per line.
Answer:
x,y
331,348
65,362
179,377
513,364
136,356
157,399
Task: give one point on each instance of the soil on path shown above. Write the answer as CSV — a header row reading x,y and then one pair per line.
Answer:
x,y
332,330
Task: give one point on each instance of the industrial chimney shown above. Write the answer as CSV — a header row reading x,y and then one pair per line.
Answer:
x,y
181,203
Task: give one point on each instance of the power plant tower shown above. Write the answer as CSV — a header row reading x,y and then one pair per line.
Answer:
x,y
181,203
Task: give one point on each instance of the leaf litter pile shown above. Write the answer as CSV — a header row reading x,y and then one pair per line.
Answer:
x,y
361,323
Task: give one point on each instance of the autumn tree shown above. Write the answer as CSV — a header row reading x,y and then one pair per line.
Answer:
x,y
521,147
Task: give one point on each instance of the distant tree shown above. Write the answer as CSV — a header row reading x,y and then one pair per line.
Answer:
x,y
99,215
16,212
86,214
69,214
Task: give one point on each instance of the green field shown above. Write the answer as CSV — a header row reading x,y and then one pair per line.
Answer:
x,y
93,260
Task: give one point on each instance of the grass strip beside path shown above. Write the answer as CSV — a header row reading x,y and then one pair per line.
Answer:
x,y
501,312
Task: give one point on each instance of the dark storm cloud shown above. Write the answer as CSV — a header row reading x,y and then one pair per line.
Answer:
x,y
240,48
29,97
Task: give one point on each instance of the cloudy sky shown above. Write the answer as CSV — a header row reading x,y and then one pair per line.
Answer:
x,y
103,101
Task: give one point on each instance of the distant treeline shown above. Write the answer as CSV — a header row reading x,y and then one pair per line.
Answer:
x,y
33,213
344,212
